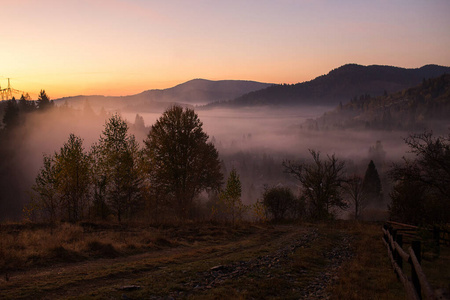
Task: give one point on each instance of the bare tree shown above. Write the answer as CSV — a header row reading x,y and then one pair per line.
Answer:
x,y
322,183
354,189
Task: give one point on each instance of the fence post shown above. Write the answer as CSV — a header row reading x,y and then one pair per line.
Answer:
x,y
415,245
394,250
436,238
399,258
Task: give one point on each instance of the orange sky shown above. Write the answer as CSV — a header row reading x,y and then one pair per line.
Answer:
x,y
121,47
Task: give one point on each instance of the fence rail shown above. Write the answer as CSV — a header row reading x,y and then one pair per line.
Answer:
x,y
441,235
418,282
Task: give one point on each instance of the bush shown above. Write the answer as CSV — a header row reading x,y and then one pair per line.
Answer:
x,y
281,203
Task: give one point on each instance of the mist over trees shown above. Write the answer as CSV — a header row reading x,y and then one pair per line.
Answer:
x,y
172,171
421,194
177,161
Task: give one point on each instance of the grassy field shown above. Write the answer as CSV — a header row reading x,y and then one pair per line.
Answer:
x,y
340,260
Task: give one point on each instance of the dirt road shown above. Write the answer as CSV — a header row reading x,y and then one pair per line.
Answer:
x,y
284,261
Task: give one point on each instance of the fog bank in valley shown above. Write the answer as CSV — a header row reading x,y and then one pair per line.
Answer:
x,y
255,141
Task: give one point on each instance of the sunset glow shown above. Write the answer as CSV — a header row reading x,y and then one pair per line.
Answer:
x,y
119,47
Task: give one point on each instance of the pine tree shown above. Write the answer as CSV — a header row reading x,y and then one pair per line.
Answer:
x,y
43,101
231,196
11,116
372,184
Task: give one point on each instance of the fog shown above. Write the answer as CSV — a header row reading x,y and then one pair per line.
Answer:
x,y
254,141
279,131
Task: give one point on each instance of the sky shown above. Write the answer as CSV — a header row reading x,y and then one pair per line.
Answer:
x,y
123,47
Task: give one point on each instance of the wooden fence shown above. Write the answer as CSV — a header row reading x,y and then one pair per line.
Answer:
x,y
418,283
440,235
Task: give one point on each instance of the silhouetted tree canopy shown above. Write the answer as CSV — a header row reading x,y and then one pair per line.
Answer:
x,y
118,158
231,195
372,184
426,178
181,161
43,101
354,189
279,201
11,115
322,183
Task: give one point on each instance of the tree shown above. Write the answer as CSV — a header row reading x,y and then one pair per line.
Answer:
x,y
139,122
428,173
118,158
231,196
279,201
322,183
354,189
181,161
72,168
98,176
372,184
25,103
11,115
43,101
46,195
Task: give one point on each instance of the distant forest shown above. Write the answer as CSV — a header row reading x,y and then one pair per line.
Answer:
x,y
178,174
424,106
338,85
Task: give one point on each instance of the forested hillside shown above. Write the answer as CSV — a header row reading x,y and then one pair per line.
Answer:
x,y
426,105
338,85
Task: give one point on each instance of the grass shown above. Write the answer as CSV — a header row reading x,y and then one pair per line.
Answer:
x,y
97,259
369,274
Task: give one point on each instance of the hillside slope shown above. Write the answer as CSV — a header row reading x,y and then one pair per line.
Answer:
x,y
197,91
339,85
424,106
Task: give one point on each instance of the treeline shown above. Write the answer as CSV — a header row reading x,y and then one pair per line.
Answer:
x,y
421,194
117,177
14,111
410,109
177,175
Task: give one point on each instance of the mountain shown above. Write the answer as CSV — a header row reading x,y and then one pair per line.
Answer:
x,y
193,92
339,85
424,106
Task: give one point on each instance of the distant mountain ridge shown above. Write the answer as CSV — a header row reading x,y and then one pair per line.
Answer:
x,y
339,85
193,92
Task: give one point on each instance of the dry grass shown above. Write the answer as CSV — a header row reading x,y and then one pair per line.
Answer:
x,y
27,245
171,258
43,245
369,274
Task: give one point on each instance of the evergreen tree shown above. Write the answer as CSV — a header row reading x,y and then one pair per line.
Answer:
x,y
43,101
26,104
11,116
372,184
231,196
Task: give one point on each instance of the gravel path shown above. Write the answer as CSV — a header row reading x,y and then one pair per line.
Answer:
x,y
265,266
